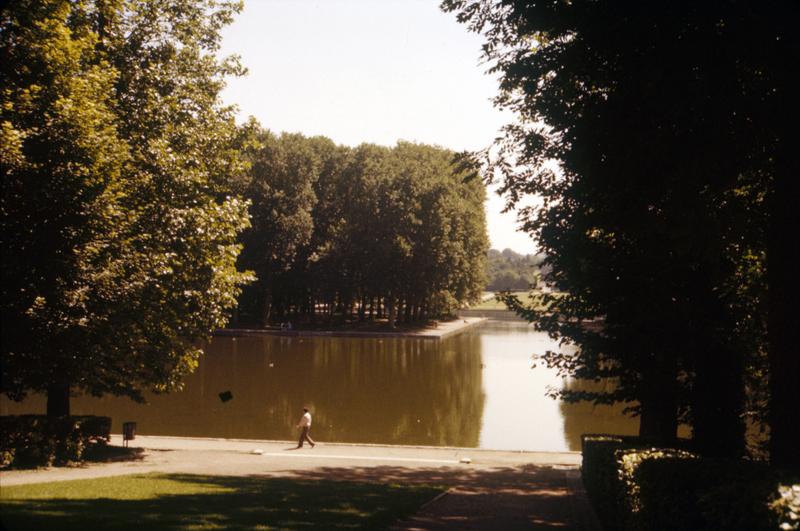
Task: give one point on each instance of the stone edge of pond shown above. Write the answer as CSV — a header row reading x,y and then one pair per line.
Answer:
x,y
445,329
353,444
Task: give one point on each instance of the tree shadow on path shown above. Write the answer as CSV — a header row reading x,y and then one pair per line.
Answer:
x,y
508,498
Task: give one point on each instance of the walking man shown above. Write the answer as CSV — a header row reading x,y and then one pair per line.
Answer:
x,y
305,424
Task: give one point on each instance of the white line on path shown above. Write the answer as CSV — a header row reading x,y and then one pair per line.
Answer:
x,y
362,458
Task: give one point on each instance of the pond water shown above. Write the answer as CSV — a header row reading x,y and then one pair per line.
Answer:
x,y
475,389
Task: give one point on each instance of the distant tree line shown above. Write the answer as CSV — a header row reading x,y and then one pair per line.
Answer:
x,y
673,212
358,233
512,271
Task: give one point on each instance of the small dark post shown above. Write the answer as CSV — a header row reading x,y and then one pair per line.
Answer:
x,y
128,432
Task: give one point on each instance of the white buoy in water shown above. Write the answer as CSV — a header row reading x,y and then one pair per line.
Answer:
x,y
465,460
257,451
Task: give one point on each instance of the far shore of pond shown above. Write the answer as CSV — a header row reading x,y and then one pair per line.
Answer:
x,y
430,330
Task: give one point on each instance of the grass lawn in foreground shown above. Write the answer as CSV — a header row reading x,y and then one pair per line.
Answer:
x,y
186,501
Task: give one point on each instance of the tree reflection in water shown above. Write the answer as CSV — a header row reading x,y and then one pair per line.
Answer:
x,y
391,391
475,389
585,417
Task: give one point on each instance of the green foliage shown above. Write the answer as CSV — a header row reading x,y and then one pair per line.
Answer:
x,y
600,477
510,271
605,478
119,233
638,487
704,494
787,507
35,440
397,232
654,217
648,501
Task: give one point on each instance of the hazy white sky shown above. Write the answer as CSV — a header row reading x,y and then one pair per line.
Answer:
x,y
369,71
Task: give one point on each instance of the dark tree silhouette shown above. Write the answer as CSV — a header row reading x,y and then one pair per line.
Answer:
x,y
671,129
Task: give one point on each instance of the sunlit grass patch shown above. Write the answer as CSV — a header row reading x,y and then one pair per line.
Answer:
x,y
182,501
494,304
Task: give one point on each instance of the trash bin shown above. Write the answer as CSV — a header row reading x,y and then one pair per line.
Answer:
x,y
128,432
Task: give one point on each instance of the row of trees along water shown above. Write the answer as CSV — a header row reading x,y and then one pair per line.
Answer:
x,y
672,214
366,232
134,209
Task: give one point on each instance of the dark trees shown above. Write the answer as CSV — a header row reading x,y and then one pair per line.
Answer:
x,y
358,233
664,121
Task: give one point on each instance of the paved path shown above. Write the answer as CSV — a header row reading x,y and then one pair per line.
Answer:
x,y
494,490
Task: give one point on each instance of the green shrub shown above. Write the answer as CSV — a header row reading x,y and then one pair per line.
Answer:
x,y
673,490
602,479
787,507
653,494
37,440
736,496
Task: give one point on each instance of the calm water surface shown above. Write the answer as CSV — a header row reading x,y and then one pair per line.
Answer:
x,y
476,389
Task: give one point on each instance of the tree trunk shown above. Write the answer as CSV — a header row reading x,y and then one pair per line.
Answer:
x,y
58,400
266,307
659,403
718,403
783,325
390,306
658,421
362,308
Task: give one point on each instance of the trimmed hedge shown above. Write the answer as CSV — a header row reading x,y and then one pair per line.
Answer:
x,y
637,487
602,479
787,507
38,440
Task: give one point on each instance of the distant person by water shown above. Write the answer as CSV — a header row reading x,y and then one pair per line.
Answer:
x,y
305,426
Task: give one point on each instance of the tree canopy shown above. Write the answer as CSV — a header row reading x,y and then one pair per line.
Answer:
x,y
511,271
119,234
366,232
666,124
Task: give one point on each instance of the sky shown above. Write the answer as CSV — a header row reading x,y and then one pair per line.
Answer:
x,y
369,71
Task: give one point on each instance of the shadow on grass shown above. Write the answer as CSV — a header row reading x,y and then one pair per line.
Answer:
x,y
209,502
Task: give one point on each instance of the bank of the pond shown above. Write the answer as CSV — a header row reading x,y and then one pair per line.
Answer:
x,y
437,330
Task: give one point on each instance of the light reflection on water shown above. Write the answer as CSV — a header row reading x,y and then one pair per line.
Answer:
x,y
472,390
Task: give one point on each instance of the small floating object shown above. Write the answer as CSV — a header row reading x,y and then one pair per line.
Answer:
x,y
271,364
257,451
225,396
465,460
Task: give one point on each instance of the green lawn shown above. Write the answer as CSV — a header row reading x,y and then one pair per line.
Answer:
x,y
183,501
